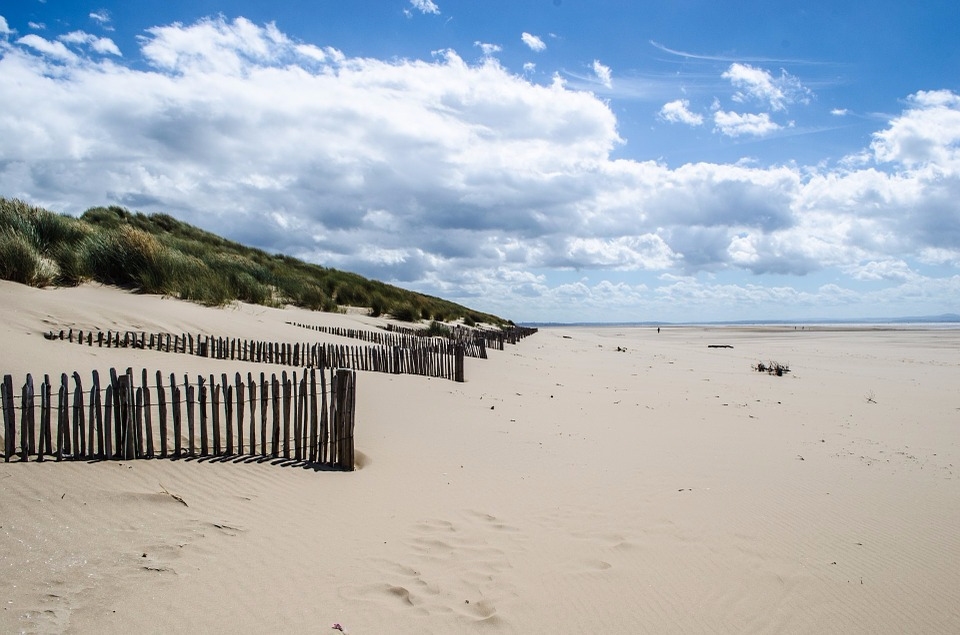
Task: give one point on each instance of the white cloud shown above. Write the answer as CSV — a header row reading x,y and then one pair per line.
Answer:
x,y
4,27
102,17
529,67
468,180
36,26
603,73
735,124
534,42
425,6
678,111
102,45
487,48
839,112
928,132
757,84
888,269
55,50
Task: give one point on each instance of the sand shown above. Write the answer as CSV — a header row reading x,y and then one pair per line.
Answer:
x,y
565,487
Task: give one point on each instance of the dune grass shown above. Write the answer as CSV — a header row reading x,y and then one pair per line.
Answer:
x,y
160,254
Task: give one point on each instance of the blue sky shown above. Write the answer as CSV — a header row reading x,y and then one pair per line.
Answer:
x,y
549,160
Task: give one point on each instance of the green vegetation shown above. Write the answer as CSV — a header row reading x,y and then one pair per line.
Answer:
x,y
159,254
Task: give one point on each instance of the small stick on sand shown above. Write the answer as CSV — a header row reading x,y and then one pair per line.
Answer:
x,y
173,496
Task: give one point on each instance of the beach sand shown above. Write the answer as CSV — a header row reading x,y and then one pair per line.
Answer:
x,y
565,487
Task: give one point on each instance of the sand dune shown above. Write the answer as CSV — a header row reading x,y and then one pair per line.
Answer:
x,y
566,487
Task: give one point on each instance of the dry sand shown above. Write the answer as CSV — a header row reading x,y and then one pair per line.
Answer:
x,y
566,487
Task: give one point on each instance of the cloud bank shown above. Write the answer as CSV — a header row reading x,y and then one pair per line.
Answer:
x,y
475,183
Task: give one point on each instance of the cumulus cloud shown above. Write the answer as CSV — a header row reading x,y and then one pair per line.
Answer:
x,y
534,42
487,48
425,6
678,111
758,85
4,27
603,73
928,132
54,50
733,124
466,180
102,45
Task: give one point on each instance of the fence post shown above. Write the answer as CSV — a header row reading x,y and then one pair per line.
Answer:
x,y
215,390
63,420
228,411
240,412
286,415
175,398
97,413
313,414
252,392
9,429
79,423
344,407
202,392
104,431
126,420
458,361
276,414
26,420
190,415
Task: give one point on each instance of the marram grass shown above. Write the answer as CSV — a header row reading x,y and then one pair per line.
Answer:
x,y
159,254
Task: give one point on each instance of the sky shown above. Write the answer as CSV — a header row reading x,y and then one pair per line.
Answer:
x,y
543,160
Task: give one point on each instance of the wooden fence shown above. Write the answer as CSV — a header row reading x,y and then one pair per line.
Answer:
x,y
425,357
294,420
488,338
408,338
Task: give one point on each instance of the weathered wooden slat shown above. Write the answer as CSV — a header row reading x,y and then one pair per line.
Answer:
x,y
252,392
95,404
275,452
239,392
204,440
9,418
175,400
217,441
26,419
108,422
138,449
299,407
228,411
313,414
190,394
162,415
287,393
264,396
79,419
63,422
126,447
324,421
147,414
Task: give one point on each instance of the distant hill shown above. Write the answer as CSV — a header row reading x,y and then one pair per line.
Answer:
x,y
160,254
